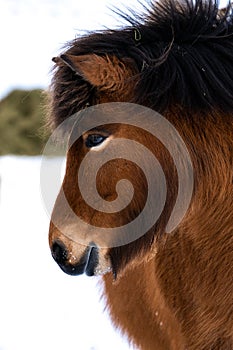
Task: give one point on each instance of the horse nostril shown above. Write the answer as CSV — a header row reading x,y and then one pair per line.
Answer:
x,y
59,252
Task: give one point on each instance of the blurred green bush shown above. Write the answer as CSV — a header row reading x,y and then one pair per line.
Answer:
x,y
22,120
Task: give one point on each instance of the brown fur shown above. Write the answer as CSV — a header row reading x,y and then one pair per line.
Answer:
x,y
167,291
188,286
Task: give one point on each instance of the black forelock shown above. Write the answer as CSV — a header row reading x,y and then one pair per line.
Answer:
x,y
183,51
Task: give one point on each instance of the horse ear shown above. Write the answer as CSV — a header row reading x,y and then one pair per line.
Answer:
x,y
103,72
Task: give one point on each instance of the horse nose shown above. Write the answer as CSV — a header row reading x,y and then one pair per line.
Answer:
x,y
59,252
86,263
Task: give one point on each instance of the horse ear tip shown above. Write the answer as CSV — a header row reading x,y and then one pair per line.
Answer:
x,y
63,60
55,59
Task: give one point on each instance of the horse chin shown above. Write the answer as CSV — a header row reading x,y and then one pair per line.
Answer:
x,y
79,269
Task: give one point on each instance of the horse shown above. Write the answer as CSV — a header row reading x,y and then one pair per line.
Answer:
x,y
164,290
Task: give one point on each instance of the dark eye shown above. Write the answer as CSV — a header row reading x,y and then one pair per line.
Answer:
x,y
94,140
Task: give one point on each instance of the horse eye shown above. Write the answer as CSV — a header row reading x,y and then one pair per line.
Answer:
x,y
94,140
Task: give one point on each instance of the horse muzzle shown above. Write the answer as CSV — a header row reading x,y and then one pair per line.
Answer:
x,y
89,262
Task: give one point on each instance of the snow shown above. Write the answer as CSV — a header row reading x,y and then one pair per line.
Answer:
x,y
40,306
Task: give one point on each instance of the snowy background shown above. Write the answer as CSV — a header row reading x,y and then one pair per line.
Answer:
x,y
40,306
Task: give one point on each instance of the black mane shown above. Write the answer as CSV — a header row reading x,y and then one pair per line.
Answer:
x,y
183,51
